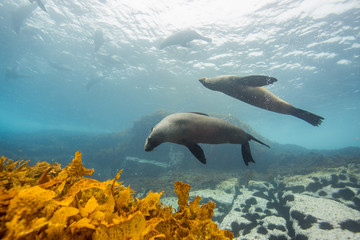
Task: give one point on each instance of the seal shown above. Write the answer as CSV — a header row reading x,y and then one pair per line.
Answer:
x,y
40,4
189,129
182,38
250,89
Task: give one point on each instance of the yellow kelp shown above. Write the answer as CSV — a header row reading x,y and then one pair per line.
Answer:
x,y
47,202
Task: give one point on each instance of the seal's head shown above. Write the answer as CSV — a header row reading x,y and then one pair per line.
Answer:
x,y
153,140
202,80
208,83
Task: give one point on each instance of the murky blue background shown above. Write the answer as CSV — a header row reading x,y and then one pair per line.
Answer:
x,y
52,78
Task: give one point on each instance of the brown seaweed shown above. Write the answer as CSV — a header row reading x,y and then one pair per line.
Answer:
x,y
47,202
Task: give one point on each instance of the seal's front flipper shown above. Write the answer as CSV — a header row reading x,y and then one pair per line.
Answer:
x,y
197,152
246,153
41,5
256,80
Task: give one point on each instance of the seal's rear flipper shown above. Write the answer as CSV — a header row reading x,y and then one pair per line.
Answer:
x,y
246,153
197,152
311,118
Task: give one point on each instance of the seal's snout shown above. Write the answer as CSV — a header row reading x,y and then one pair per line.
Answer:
x,y
202,80
147,145
150,144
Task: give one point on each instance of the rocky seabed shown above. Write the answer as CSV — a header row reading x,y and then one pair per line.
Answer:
x,y
320,205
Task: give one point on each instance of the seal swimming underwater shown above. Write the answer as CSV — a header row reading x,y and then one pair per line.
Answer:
x,y
189,129
182,38
250,89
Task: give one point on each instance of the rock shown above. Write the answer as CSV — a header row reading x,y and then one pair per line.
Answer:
x,y
170,201
336,183
229,185
249,207
138,167
258,185
319,218
223,193
270,227
216,195
234,222
319,205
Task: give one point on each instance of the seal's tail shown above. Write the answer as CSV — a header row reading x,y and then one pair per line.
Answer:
x,y
309,117
257,140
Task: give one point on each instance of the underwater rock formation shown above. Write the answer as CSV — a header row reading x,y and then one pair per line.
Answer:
x,y
47,202
324,205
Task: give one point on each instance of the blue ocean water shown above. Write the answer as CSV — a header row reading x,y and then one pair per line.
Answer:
x,y
52,77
